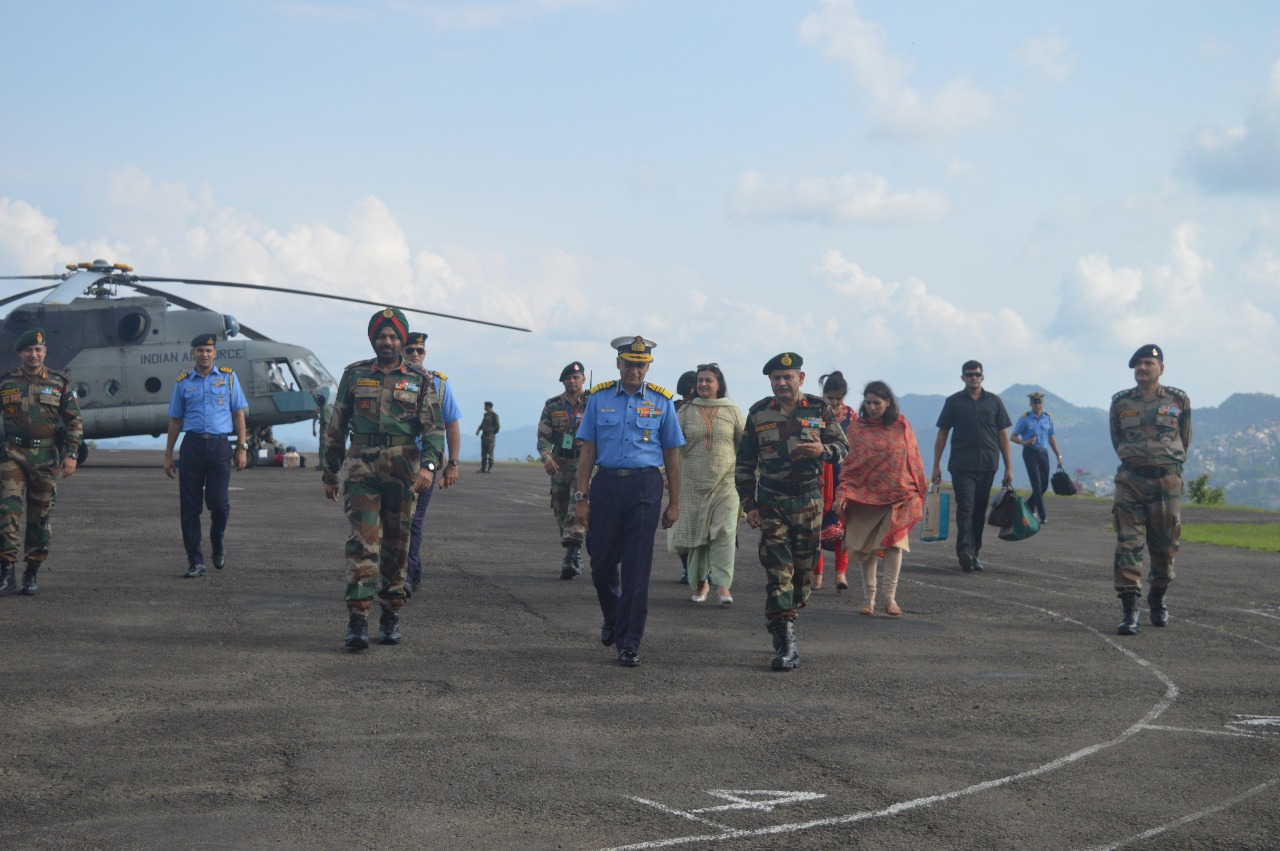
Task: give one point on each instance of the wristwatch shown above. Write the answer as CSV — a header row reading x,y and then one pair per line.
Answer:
x,y
453,462
243,446
430,466
579,496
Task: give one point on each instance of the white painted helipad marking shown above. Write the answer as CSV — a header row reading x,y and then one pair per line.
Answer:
x,y
1260,612
741,802
1187,819
1216,628
1159,708
1227,732
1253,722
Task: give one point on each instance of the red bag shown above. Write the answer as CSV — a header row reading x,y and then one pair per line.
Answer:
x,y
832,530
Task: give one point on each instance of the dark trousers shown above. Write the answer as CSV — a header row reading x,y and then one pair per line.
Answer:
x,y
624,517
415,532
1037,461
204,472
972,489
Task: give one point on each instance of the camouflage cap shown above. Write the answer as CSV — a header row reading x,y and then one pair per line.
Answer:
x,y
392,316
786,360
574,368
1150,350
29,337
205,340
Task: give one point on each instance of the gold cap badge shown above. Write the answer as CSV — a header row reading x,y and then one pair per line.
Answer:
x,y
786,360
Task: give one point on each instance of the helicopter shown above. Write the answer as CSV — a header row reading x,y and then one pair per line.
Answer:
x,y
122,353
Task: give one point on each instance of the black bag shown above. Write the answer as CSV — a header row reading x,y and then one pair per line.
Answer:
x,y
1002,507
1062,484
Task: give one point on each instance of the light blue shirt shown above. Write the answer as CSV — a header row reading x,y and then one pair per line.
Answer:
x,y
630,430
448,406
1040,428
205,403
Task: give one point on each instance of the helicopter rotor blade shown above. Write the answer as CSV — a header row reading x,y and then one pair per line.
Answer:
x,y
12,298
333,297
33,278
191,305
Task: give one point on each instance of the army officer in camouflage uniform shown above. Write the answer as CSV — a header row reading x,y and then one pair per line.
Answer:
x,y
559,450
787,438
383,403
39,406
1151,433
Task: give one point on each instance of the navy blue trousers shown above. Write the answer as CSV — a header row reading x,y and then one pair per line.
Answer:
x,y
1037,461
204,472
624,517
415,531
973,490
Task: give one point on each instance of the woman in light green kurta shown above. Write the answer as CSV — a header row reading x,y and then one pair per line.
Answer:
x,y
709,509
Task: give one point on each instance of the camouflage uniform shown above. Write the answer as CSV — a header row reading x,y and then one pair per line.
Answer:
x,y
1151,439
383,411
35,407
560,419
788,493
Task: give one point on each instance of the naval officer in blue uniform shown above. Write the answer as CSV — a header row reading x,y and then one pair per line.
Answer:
x,y
208,404
629,429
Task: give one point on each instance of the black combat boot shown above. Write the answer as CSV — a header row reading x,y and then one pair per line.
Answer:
x,y
784,641
1132,614
29,587
6,577
577,558
566,563
1159,611
358,632
388,626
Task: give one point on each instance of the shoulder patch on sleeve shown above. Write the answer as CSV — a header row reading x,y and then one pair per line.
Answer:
x,y
182,375
656,389
604,385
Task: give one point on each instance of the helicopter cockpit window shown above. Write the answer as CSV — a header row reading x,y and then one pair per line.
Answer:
x,y
307,378
133,326
273,376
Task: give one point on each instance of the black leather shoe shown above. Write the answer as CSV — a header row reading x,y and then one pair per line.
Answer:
x,y
388,627
606,634
966,562
195,571
358,632
219,561
6,577
29,587
629,658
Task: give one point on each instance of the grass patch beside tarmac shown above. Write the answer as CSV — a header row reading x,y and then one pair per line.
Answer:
x,y
1263,537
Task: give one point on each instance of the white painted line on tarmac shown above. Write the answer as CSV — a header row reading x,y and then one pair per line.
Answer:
x,y
672,811
1171,694
1206,732
1187,819
1220,631
1260,612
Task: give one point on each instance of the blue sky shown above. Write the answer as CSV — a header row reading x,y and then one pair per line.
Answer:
x,y
886,188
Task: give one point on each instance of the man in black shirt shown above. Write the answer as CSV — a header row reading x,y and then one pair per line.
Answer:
x,y
979,425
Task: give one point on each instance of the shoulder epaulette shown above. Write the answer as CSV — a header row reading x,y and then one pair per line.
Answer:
x,y
553,400
656,389
1176,391
761,405
228,370
63,375
357,363
440,375
604,385
1128,391
815,400
183,374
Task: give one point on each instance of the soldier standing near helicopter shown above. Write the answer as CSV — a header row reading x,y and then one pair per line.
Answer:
x,y
384,404
38,408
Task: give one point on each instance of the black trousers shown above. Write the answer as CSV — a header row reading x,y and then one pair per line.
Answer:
x,y
973,490
624,518
1037,461
204,473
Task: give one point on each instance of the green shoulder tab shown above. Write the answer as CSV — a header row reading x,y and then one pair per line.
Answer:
x,y
183,374
228,370
357,363
1181,394
604,385
440,375
1126,392
761,405
656,389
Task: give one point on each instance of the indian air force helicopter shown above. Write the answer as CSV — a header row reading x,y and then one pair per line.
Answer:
x,y
122,353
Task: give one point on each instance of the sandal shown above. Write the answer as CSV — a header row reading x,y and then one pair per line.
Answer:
x,y
842,584
891,609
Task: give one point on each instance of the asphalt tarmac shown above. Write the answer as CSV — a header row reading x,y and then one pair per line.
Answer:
x,y
143,710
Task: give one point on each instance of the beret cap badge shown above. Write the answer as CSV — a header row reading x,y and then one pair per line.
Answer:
x,y
786,360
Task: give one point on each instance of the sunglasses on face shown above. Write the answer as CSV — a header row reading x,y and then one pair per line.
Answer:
x,y
415,350
972,374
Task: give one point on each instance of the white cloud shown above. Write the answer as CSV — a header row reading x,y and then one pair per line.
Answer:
x,y
472,14
1047,55
1245,158
962,170
846,199
860,45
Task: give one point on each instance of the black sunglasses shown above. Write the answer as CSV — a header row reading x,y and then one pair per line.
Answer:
x,y
703,366
416,350
972,374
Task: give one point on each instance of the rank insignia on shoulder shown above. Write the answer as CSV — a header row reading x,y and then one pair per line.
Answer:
x,y
604,385
225,369
656,389
440,375
182,375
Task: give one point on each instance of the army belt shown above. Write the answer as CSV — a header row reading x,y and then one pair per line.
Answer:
x,y
29,442
1154,472
626,471
382,439
792,488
